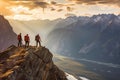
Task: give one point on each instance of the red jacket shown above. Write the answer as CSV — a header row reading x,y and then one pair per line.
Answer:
x,y
26,38
19,37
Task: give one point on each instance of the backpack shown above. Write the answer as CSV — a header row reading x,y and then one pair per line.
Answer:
x,y
37,38
19,37
26,38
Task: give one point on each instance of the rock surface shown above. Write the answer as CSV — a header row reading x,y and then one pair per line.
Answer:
x,y
28,64
7,35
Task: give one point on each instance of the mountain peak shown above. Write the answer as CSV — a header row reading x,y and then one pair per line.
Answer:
x,y
7,35
1,17
29,64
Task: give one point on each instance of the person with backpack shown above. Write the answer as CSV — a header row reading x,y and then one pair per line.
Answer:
x,y
27,40
19,37
38,39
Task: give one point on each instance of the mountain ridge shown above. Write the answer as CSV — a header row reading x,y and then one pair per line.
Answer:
x,y
95,38
7,35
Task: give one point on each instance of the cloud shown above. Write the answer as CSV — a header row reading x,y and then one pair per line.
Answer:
x,y
70,9
31,4
53,2
33,7
24,13
93,2
4,10
69,14
59,10
41,4
53,9
34,4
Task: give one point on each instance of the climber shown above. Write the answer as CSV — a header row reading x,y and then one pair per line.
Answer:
x,y
27,40
19,40
38,40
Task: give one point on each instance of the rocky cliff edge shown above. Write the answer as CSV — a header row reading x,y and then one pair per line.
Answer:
x,y
28,64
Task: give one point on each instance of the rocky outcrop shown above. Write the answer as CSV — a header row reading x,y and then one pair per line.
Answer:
x,y
29,64
7,35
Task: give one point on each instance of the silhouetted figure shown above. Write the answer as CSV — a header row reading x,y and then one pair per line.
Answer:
x,y
19,40
27,40
38,39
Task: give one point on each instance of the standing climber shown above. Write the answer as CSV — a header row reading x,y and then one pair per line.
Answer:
x,y
19,40
27,40
38,39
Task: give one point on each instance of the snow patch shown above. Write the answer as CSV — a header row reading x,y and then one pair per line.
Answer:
x,y
83,78
97,19
70,77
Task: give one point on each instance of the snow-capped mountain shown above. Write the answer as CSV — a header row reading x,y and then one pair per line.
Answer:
x,y
96,38
43,27
65,22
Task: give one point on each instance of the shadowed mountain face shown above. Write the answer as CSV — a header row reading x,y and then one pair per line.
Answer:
x,y
7,36
29,64
96,38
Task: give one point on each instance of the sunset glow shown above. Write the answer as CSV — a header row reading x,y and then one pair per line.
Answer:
x,y
53,9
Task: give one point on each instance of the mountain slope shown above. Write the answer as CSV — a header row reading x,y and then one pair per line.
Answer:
x,y
29,64
7,36
95,38
75,68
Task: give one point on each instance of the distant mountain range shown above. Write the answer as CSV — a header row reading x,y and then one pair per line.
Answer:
x,y
7,35
43,27
9,28
95,38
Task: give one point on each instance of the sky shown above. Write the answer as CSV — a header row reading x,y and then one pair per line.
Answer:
x,y
53,9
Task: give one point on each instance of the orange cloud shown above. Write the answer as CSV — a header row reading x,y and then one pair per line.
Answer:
x,y
70,9
11,7
69,14
4,8
33,4
93,2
